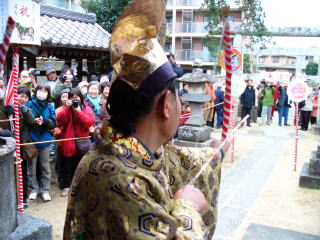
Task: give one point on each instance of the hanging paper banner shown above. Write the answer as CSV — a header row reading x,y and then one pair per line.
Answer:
x,y
26,14
298,90
236,60
238,85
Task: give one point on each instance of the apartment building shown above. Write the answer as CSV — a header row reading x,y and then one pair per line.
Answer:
x,y
293,60
186,30
67,4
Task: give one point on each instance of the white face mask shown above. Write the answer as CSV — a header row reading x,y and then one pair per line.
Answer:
x,y
2,93
42,95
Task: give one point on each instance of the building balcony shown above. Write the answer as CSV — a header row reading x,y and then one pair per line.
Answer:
x,y
189,2
190,55
64,4
170,3
199,27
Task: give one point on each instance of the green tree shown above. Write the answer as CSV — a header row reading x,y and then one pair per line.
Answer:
x,y
312,68
252,22
107,11
246,63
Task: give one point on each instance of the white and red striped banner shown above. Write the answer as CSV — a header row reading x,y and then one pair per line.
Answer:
x,y
4,46
13,84
296,137
227,98
13,78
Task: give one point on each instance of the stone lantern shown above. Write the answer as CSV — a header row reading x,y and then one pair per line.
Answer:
x,y
195,133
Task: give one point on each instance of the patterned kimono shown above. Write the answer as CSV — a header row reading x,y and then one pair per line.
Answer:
x,y
123,191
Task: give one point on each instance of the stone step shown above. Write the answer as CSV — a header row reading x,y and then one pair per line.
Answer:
x,y
30,228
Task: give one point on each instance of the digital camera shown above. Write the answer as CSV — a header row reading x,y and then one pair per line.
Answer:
x,y
67,77
35,72
75,103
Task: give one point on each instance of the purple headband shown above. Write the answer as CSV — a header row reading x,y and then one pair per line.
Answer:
x,y
155,82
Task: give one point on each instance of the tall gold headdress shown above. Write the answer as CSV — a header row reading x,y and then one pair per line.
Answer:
x,y
136,55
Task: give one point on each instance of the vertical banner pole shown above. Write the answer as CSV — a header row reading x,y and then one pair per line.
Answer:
x,y
227,98
296,138
17,127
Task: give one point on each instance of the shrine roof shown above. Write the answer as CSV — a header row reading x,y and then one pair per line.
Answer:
x,y
66,28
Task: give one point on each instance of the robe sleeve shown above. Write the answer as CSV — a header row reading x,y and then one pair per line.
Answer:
x,y
184,163
131,204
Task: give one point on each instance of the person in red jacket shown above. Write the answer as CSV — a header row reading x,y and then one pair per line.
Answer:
x,y
275,96
75,116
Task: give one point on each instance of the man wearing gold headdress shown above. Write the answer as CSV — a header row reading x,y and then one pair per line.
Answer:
x,y
132,184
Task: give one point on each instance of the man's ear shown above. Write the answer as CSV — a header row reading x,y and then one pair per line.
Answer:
x,y
164,104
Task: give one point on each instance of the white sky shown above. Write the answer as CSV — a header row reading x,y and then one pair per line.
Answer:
x,y
304,13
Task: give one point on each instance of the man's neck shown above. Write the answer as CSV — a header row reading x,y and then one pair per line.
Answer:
x,y
147,130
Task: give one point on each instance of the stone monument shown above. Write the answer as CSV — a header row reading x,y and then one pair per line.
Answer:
x,y
195,133
14,225
310,174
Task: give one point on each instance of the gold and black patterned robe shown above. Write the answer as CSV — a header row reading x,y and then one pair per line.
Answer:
x,y
122,191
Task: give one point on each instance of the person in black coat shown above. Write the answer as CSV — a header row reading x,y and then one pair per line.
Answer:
x,y
247,101
218,109
176,68
283,105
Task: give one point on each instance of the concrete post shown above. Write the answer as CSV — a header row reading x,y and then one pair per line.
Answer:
x,y
8,203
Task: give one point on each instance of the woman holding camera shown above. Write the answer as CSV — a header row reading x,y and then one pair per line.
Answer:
x,y
44,114
75,118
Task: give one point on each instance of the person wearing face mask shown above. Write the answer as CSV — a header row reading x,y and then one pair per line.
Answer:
x,y
76,117
65,82
26,122
44,114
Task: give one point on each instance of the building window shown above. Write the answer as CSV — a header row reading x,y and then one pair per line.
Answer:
x,y
291,60
205,19
275,59
262,60
309,58
187,16
205,47
169,19
168,47
231,18
186,44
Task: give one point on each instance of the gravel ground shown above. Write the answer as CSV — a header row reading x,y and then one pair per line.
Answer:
x,y
282,203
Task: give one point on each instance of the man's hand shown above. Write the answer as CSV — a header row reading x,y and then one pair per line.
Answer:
x,y
193,195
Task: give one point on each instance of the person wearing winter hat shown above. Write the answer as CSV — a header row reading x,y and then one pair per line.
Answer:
x,y
52,78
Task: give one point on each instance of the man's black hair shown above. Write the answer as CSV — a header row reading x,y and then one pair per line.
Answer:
x,y
24,90
127,105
